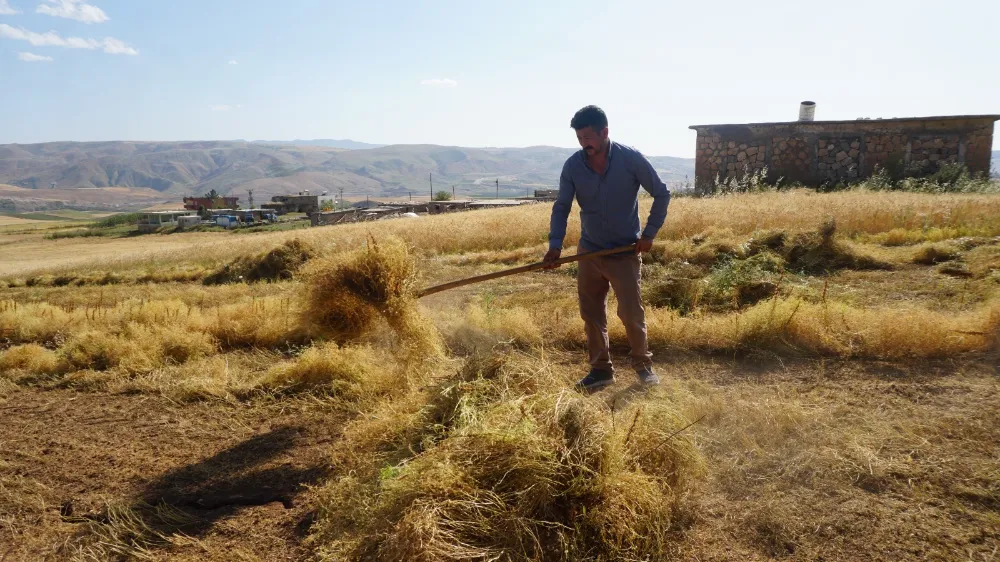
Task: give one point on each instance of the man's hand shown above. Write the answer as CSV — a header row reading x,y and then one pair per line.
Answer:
x,y
551,256
643,246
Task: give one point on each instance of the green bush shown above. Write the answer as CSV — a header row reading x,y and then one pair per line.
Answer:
x,y
120,219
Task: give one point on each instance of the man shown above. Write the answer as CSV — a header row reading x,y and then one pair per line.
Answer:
x,y
604,177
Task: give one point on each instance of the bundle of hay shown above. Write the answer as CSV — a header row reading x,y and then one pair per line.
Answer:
x,y
278,264
509,467
347,293
820,252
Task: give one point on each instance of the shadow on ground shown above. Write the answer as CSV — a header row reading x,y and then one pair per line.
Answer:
x,y
255,472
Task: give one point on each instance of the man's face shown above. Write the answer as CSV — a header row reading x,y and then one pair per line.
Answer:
x,y
592,141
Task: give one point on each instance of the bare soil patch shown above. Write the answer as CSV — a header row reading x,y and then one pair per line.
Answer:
x,y
239,472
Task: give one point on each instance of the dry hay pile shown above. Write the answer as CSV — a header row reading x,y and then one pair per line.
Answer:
x,y
820,252
932,254
346,295
278,264
505,464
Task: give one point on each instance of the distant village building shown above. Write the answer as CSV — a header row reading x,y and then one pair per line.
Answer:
x,y
199,203
816,153
153,221
301,203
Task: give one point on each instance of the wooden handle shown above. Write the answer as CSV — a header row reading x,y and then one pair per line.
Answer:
x,y
523,269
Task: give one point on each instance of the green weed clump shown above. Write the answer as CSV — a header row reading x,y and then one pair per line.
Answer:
x,y
745,281
733,283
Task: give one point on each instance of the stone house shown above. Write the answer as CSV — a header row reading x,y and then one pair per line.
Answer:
x,y
816,153
301,203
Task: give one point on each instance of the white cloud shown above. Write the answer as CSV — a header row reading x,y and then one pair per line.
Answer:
x,y
31,57
226,107
109,45
114,46
6,9
439,82
74,10
233,62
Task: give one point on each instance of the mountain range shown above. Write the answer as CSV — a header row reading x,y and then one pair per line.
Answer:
x,y
333,143
177,169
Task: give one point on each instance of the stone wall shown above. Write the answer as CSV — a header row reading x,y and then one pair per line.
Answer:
x,y
817,153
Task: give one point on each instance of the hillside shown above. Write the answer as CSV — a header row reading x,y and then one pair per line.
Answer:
x,y
332,143
175,169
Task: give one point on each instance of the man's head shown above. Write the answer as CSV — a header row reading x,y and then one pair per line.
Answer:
x,y
591,125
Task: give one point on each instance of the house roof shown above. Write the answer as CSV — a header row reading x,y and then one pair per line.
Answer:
x,y
853,121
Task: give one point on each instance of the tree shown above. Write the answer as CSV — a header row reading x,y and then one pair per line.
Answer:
x,y
217,200
442,196
326,205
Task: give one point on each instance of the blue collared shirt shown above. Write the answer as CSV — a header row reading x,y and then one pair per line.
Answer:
x,y
609,204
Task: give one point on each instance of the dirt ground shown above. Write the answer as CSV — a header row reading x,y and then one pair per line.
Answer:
x,y
807,460
241,472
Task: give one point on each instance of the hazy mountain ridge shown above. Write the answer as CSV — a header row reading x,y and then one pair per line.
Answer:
x,y
184,168
346,144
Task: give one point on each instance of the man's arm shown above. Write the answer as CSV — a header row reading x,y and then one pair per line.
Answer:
x,y
560,214
650,181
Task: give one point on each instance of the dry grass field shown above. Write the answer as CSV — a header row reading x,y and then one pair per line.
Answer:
x,y
829,367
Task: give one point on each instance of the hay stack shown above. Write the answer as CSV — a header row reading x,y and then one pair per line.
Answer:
x,y
346,294
278,264
512,467
820,252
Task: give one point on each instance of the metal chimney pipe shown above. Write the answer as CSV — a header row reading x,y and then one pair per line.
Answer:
x,y
807,111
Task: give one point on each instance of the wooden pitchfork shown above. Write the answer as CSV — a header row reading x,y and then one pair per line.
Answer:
x,y
523,269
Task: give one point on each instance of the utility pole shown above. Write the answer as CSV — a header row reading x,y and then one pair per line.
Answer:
x,y
368,203
430,178
498,188
250,197
411,196
453,192
340,191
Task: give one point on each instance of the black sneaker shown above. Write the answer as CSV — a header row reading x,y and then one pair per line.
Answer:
x,y
648,378
595,380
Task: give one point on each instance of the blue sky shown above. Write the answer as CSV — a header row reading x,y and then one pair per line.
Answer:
x,y
476,73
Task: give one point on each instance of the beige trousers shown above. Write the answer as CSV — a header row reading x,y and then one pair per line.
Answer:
x,y
622,273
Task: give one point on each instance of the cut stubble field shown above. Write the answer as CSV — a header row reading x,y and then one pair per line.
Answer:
x,y
829,367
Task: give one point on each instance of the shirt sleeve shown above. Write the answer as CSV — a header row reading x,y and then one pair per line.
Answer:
x,y
561,209
650,181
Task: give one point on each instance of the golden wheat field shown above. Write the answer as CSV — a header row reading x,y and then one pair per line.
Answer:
x,y
829,367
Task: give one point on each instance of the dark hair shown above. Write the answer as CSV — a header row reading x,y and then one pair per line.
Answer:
x,y
590,116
